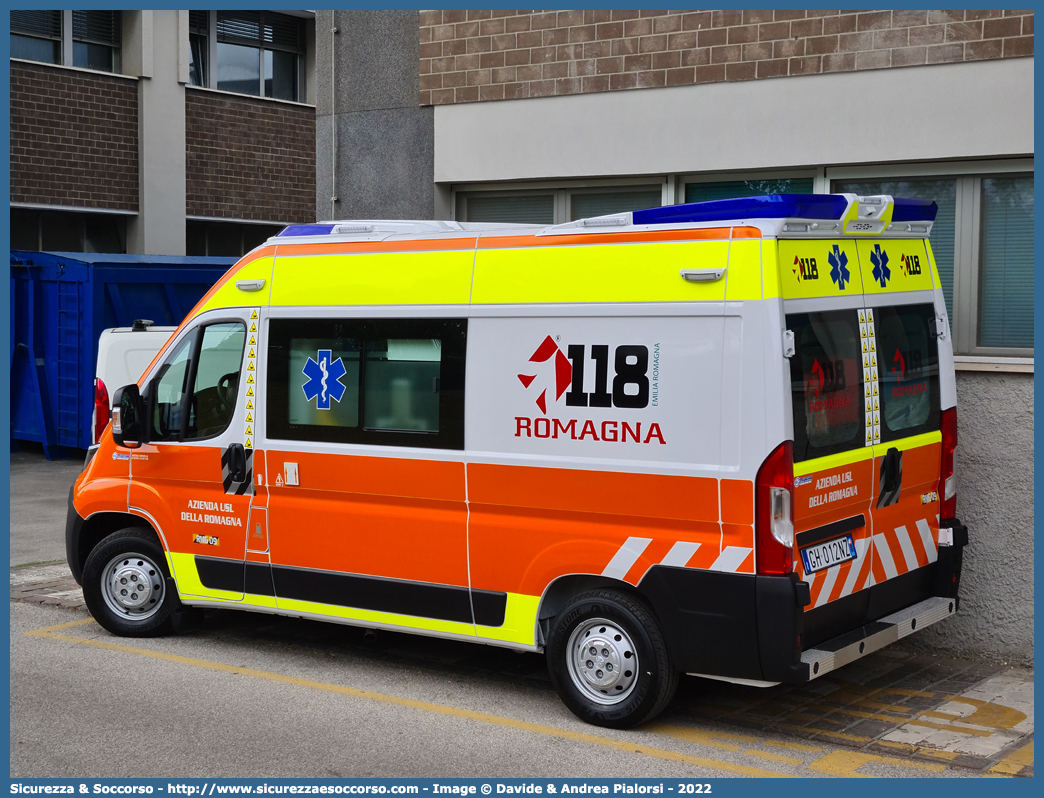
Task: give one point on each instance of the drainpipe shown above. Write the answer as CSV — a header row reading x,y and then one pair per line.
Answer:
x,y
333,113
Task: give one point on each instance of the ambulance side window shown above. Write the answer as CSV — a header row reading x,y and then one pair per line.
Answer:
x,y
826,383
908,356
389,382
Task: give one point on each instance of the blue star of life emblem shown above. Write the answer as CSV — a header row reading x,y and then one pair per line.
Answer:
x,y
880,260
839,273
324,379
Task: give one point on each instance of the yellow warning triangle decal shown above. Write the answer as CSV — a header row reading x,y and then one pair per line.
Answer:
x,y
862,316
253,342
876,406
253,327
869,436
250,405
872,347
254,314
250,418
864,347
250,391
248,444
875,389
249,431
250,379
250,366
251,353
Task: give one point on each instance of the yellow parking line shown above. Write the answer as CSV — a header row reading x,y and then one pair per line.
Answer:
x,y
845,763
1016,762
482,717
786,760
795,746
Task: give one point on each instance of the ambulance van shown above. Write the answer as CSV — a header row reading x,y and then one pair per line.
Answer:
x,y
712,439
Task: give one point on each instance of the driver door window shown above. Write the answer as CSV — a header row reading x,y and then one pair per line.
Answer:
x,y
209,360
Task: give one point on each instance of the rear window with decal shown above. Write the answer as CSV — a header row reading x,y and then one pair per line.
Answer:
x,y
391,382
908,362
826,383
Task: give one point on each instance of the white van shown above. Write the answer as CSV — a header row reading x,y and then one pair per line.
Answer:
x,y
123,355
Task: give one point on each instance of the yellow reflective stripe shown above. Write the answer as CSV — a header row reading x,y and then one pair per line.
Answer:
x,y
913,442
519,621
183,567
391,278
805,269
770,277
372,616
743,279
904,260
931,260
228,296
833,461
601,273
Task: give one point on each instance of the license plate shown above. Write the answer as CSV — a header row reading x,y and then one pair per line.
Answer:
x,y
830,552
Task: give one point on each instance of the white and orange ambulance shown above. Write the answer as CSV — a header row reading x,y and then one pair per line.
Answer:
x,y
712,439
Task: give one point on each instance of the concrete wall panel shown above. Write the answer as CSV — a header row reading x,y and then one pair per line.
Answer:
x,y
966,110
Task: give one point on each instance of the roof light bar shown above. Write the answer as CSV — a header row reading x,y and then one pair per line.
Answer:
x,y
770,206
306,230
914,210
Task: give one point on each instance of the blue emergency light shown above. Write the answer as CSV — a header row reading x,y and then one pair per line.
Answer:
x,y
776,206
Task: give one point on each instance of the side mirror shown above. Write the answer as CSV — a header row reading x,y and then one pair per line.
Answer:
x,y
128,417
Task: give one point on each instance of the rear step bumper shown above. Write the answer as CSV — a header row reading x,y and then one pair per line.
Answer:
x,y
832,654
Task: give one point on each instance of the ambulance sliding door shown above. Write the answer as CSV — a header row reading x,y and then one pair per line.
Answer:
x,y
833,466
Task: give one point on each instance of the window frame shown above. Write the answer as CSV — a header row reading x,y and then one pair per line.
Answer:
x,y
210,67
561,190
967,265
66,41
282,329
194,338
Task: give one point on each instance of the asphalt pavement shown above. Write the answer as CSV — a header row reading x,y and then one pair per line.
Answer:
x,y
249,695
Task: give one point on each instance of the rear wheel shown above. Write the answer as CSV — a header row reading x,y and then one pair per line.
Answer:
x,y
608,660
125,584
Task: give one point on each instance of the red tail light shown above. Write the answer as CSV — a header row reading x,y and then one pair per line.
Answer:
x,y
101,409
774,512
947,475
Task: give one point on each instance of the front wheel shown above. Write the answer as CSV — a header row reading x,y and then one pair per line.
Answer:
x,y
608,660
125,584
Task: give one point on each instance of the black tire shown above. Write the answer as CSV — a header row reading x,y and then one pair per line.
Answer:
x,y
113,577
599,688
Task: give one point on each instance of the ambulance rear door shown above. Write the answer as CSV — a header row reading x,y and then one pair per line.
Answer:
x,y
823,301
903,323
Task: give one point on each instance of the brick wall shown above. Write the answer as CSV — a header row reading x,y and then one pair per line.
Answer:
x,y
249,158
468,56
74,138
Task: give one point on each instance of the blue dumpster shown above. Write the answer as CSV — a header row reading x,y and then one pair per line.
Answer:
x,y
60,303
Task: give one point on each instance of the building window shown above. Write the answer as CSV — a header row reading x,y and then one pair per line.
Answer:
x,y
37,36
96,40
731,189
66,231
982,240
1006,262
587,204
254,52
226,239
555,206
199,36
91,38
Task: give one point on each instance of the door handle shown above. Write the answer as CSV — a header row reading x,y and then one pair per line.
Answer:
x,y
237,462
891,480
